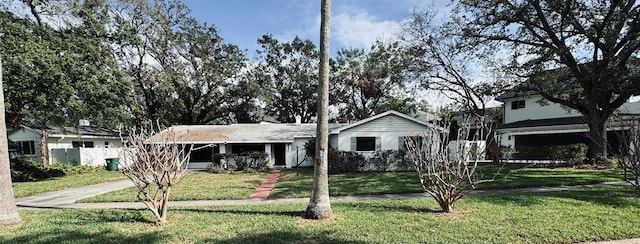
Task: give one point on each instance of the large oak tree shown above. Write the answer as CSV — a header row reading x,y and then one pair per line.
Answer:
x,y
58,74
288,71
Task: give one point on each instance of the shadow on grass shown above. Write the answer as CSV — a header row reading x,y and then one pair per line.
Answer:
x,y
617,197
285,237
54,235
245,212
90,217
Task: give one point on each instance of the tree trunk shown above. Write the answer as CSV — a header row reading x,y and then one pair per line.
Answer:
x,y
492,144
597,139
164,205
44,156
8,211
447,207
319,204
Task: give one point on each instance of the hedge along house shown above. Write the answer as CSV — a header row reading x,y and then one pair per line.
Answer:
x,y
284,143
81,145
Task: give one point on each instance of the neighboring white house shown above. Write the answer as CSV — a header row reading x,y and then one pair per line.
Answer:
x,y
284,143
529,122
82,145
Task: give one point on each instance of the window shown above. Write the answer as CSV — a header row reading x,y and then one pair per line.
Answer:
x,y
365,143
517,104
88,144
247,148
82,144
26,147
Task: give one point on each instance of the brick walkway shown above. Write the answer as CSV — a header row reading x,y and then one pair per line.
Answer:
x,y
263,191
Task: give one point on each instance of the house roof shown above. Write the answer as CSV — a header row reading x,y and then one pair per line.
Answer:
x,y
544,122
390,112
521,90
83,130
248,133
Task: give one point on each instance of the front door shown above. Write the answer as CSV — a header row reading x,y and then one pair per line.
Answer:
x,y
279,154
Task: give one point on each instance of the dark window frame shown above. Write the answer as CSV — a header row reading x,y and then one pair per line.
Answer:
x,y
365,143
518,104
26,147
82,144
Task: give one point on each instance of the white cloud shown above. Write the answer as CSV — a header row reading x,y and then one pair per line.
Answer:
x,y
359,29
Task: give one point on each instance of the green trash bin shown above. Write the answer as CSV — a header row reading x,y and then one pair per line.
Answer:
x,y
112,164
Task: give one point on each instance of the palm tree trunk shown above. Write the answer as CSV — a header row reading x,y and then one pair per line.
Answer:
x,y
44,156
8,210
319,204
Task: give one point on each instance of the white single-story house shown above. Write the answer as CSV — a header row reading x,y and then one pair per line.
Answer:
x,y
530,121
81,145
284,143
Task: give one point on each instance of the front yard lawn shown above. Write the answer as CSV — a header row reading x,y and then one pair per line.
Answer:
x,y
552,217
25,189
291,185
196,186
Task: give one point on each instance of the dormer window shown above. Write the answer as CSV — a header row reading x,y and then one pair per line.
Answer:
x,y
518,104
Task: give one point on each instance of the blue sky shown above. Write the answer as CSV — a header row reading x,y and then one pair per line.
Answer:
x,y
354,23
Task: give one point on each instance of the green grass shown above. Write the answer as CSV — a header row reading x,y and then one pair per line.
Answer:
x,y
291,185
515,177
196,186
25,189
553,217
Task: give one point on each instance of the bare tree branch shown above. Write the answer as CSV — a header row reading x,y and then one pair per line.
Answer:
x,y
155,160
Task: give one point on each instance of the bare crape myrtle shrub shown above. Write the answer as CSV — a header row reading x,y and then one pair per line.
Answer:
x,y
446,168
155,160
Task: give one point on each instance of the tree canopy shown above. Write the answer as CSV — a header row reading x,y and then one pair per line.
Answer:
x,y
367,82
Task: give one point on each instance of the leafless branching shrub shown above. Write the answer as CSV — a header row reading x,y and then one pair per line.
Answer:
x,y
446,168
630,156
155,160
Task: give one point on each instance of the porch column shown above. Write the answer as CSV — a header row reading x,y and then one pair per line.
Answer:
x,y
267,149
222,149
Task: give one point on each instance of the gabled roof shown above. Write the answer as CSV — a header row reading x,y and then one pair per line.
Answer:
x,y
390,112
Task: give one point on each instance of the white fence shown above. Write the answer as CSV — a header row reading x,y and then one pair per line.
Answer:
x,y
83,156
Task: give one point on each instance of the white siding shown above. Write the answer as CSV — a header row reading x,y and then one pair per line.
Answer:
x,y
381,127
298,152
534,110
67,142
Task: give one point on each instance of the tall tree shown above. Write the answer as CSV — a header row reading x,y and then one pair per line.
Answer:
x,y
319,204
369,81
242,99
288,73
47,86
179,67
8,210
147,53
590,46
205,67
443,61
